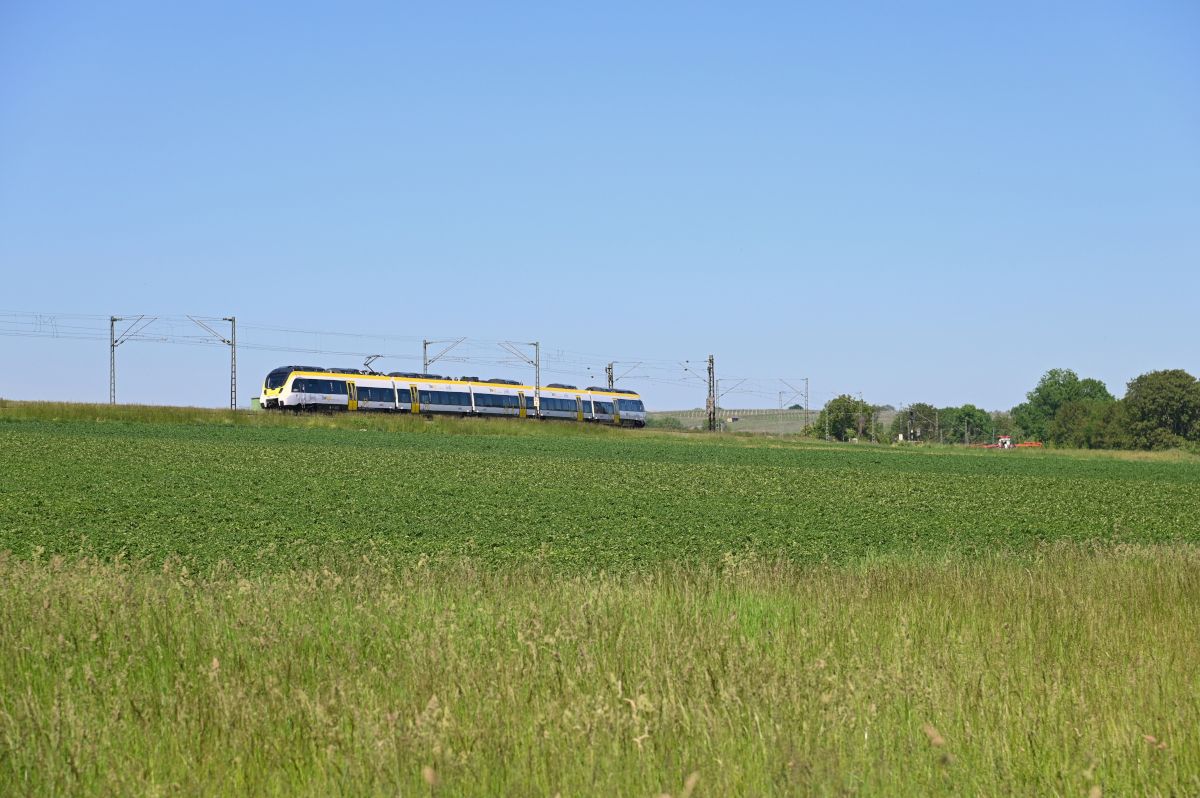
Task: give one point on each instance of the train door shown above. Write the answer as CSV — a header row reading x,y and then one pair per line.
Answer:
x,y
521,403
351,396
616,409
416,398
578,407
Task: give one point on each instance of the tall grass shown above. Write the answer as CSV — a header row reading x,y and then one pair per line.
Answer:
x,y
1058,672
452,425
381,422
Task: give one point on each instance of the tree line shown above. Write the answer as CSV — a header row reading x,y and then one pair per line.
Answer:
x,y
1160,410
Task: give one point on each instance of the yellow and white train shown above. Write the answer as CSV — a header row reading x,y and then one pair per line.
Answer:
x,y
313,388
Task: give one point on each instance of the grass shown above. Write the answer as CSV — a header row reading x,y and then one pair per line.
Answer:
x,y
582,499
202,602
208,416
1062,670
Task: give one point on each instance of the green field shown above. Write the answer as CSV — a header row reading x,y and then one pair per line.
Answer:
x,y
208,603
578,497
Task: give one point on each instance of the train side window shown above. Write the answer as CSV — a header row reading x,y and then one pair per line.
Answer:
x,y
587,406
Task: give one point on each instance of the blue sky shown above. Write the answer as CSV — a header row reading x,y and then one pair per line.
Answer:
x,y
921,202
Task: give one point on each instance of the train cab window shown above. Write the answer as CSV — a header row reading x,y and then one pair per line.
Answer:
x,y
276,379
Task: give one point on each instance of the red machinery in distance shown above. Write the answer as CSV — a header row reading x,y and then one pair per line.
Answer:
x,y
1005,442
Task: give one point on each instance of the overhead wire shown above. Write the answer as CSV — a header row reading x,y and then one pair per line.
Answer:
x,y
183,330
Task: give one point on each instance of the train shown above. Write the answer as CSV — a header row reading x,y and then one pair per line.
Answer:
x,y
312,388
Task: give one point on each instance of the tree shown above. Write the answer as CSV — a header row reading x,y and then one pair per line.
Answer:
x,y
1163,409
1090,425
966,424
1056,387
848,418
924,418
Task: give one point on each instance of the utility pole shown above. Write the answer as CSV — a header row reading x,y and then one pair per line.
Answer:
x,y
114,341
112,359
231,342
781,414
232,361
609,371
511,346
712,395
426,361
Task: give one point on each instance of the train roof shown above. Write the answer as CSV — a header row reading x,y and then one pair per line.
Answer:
x,y
290,369
410,375
613,390
416,376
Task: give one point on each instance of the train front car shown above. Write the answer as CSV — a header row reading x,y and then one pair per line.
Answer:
x,y
633,412
277,391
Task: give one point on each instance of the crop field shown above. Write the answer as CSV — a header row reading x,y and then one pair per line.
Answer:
x,y
585,499
207,603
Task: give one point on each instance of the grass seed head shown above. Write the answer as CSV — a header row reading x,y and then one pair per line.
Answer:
x,y
934,737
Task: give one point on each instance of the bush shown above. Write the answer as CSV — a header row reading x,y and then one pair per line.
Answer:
x,y
666,422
